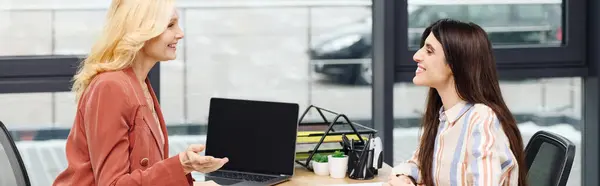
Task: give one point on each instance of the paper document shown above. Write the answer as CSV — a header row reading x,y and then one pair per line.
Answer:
x,y
360,184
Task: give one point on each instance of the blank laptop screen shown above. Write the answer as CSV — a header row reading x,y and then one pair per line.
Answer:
x,y
256,136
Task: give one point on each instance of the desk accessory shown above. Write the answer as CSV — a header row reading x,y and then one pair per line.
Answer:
x,y
353,141
360,166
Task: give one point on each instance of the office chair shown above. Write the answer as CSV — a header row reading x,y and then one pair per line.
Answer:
x,y
549,159
12,170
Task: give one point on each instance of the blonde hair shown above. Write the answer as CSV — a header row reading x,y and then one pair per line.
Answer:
x,y
129,24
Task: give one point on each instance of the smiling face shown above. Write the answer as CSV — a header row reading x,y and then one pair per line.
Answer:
x,y
164,46
432,68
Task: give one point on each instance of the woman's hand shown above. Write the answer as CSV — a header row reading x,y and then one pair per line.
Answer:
x,y
192,161
399,181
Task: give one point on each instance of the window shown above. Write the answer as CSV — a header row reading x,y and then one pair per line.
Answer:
x,y
41,37
425,15
533,14
306,53
506,24
261,53
489,15
515,28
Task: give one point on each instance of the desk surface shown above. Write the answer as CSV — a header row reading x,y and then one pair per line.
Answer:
x,y
302,176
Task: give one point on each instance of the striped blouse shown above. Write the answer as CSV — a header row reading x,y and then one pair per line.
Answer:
x,y
470,149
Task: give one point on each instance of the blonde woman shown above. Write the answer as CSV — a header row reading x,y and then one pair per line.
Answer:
x,y
119,135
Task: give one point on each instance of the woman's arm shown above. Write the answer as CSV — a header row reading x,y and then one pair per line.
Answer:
x,y
106,117
409,168
486,144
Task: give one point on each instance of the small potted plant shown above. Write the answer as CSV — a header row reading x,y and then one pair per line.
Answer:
x,y
338,164
320,165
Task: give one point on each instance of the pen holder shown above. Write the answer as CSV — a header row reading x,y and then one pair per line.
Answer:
x,y
361,168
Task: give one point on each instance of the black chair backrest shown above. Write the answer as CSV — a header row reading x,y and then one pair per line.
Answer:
x,y
549,159
12,169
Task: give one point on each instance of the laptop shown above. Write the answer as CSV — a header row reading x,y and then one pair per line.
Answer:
x,y
258,137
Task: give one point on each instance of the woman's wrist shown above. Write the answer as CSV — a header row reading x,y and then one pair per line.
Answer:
x,y
412,179
414,182
187,168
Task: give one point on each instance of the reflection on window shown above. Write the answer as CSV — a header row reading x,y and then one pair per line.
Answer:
x,y
489,15
509,23
425,15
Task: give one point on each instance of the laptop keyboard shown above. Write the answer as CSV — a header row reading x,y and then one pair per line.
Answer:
x,y
242,176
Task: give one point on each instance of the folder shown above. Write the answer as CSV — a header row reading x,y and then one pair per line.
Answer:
x,y
329,138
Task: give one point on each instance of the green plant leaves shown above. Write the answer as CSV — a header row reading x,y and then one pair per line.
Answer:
x,y
320,158
338,154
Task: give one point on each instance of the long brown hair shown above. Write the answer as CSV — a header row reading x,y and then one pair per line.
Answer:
x,y
469,54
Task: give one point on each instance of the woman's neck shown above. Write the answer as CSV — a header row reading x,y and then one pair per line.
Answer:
x,y
142,66
449,95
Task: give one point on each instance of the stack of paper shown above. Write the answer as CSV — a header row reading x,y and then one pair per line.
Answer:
x,y
305,143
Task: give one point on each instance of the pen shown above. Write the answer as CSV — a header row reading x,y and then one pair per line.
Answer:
x,y
346,142
363,158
